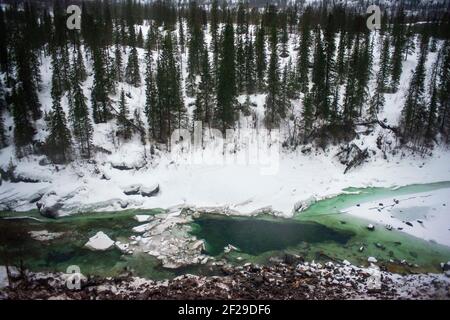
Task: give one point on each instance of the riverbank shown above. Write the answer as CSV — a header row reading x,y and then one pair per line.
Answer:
x,y
297,281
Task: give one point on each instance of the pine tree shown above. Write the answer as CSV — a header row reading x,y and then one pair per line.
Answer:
x,y
260,51
307,115
99,94
132,75
123,123
318,91
58,142
151,105
140,39
414,111
79,114
444,93
226,87
240,65
205,99
378,100
250,68
140,125
170,101
2,110
399,41
23,128
118,71
274,108
303,54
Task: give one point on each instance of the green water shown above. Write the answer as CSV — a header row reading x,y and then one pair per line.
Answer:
x,y
256,236
322,233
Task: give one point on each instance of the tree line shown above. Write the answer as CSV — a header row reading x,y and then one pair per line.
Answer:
x,y
229,53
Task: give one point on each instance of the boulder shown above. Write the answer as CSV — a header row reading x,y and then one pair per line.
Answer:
x,y
132,189
371,227
142,217
99,242
150,191
49,211
372,260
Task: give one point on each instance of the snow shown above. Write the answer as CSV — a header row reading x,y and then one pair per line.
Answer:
x,y
428,212
142,217
99,242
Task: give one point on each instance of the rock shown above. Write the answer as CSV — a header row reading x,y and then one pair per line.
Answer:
x,y
198,244
361,249
371,227
99,242
346,263
293,259
230,248
409,223
352,156
4,281
123,247
150,191
36,197
51,211
142,217
132,189
420,221
380,246
372,260
44,235
445,266
389,227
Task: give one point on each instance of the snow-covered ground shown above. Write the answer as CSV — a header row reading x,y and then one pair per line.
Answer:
x,y
425,215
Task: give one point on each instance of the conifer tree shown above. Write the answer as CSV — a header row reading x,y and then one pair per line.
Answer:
x,y
303,54
226,87
23,128
132,75
205,99
415,110
274,108
99,93
152,113
399,40
123,123
79,114
260,51
2,110
444,93
58,142
250,68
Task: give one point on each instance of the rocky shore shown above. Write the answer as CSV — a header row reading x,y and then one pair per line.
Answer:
x,y
282,281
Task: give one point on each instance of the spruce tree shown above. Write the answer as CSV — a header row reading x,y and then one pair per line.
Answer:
x,y
260,51
79,114
415,110
132,75
2,110
399,40
274,108
123,123
58,142
151,106
23,128
444,93
226,87
205,100
303,54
